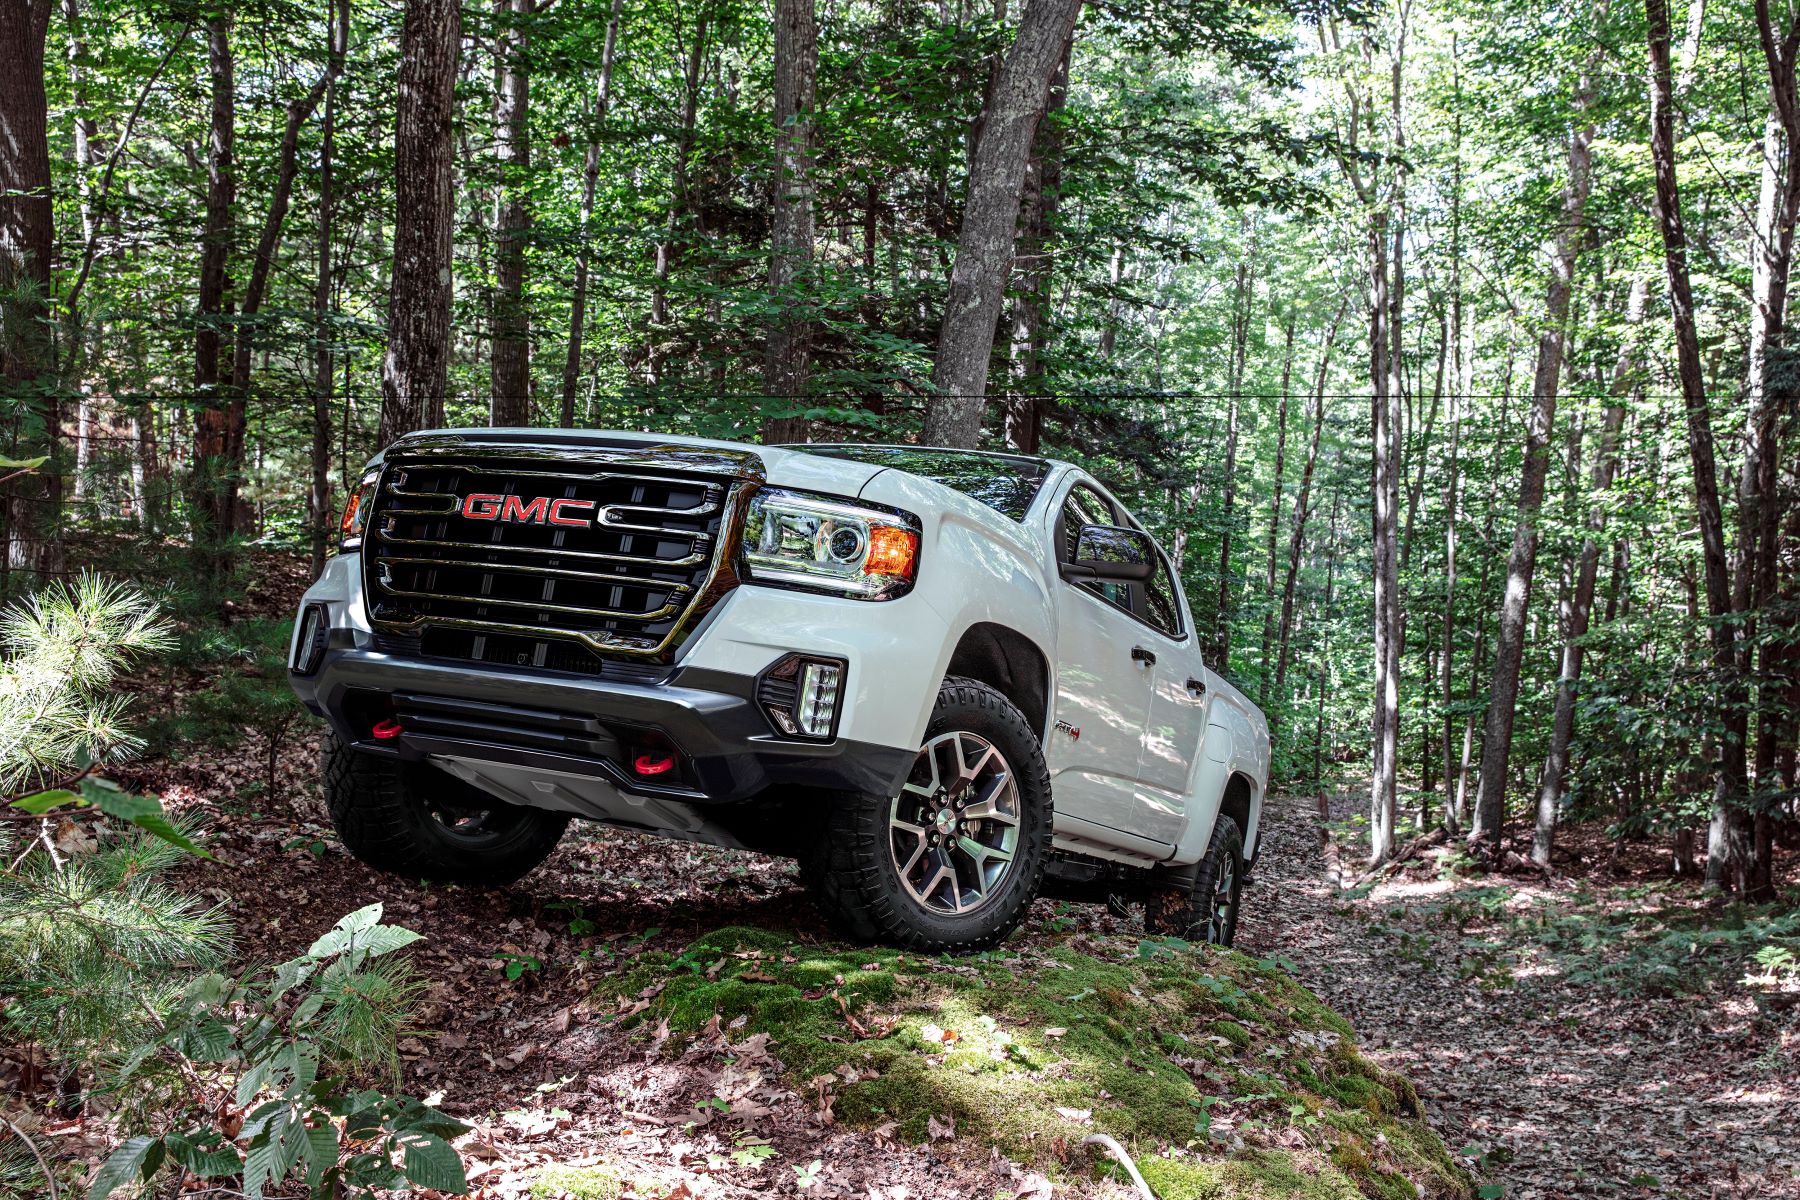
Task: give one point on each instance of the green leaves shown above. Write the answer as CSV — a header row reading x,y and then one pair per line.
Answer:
x,y
138,1158
145,812
362,931
50,801
429,1161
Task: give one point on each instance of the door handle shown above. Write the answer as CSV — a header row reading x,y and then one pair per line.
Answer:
x,y
1197,687
1139,654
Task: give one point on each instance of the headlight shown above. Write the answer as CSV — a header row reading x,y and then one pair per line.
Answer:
x,y
800,540
356,512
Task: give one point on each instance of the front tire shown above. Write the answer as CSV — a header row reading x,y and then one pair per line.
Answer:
x,y
413,819
953,860
1207,912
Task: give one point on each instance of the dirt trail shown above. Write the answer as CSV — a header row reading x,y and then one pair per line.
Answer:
x,y
1583,1091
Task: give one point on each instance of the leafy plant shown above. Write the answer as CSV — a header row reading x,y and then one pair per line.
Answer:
x,y
243,1073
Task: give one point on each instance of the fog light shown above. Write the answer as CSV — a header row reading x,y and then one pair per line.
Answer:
x,y
803,696
309,640
819,682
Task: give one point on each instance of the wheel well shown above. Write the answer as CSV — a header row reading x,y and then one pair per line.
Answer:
x,y
1007,661
1236,802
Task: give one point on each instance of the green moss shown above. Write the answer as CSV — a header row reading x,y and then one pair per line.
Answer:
x,y
1232,1032
1139,1048
583,1183
1254,1175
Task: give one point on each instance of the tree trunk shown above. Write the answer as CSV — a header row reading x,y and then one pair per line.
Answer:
x,y
1030,331
590,179
1562,725
1732,854
415,370
1383,488
984,245
85,133
666,247
1281,424
1760,502
319,496
509,320
788,361
1452,814
215,469
1509,637
27,238
1302,505
1243,288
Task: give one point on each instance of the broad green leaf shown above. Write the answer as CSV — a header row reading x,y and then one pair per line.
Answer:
x,y
362,931
125,1165
429,1161
146,812
43,802
321,1151
214,1160
22,464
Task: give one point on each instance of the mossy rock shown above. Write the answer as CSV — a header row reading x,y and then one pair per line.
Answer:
x,y
1203,1061
583,1183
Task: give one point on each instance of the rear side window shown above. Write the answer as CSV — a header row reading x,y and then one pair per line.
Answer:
x,y
1161,608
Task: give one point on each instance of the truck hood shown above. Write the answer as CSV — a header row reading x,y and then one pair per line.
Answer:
x,y
775,466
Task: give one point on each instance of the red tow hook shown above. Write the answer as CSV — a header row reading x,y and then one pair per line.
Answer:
x,y
653,764
387,731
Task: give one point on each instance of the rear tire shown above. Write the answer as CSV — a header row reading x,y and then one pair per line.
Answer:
x,y
953,861
413,819
1207,912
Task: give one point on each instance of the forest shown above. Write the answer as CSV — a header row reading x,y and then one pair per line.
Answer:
x,y
1443,347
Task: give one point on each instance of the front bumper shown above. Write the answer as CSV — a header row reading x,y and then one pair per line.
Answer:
x,y
707,720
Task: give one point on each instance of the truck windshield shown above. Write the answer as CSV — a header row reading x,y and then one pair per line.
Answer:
x,y
1006,483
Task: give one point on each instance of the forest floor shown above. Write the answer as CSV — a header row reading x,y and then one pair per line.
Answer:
x,y
1592,1033
1599,1032
1569,1037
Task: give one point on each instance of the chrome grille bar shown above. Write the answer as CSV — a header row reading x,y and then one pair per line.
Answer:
x,y
436,563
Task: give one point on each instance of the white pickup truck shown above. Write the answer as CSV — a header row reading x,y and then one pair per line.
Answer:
x,y
939,679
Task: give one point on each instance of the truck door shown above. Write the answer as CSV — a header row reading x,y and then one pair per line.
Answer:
x,y
1102,689
1178,705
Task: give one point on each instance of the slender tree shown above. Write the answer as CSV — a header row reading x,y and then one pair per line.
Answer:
x,y
984,244
509,319
216,414
590,181
27,236
1731,848
415,370
787,364
1509,638
319,496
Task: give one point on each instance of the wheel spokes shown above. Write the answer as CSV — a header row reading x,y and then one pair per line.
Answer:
x,y
954,826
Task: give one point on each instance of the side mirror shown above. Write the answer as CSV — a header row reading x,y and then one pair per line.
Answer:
x,y
1112,553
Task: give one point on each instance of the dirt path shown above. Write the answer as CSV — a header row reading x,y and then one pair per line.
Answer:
x,y
1574,1090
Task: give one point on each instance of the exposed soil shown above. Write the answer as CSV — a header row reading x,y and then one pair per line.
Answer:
x,y
1572,1088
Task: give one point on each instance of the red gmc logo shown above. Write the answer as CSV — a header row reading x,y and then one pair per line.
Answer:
x,y
539,511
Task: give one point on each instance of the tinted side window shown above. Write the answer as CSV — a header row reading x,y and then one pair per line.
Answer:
x,y
1087,507
1161,608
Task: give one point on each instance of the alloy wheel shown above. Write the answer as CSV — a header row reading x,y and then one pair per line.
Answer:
x,y
1223,898
954,827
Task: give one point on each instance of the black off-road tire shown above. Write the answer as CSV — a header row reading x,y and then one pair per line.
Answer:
x,y
1187,913
851,870
390,815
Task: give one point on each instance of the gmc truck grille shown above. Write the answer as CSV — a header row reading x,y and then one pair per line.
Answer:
x,y
552,563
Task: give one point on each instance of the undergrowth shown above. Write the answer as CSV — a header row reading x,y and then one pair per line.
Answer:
x,y
1228,1078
